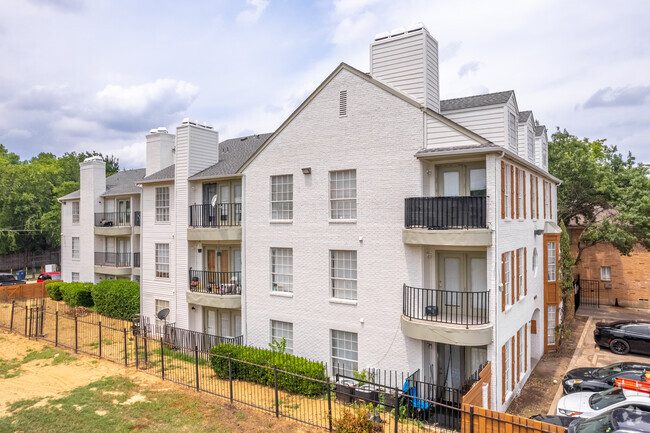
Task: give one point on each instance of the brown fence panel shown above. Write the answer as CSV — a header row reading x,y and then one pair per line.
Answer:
x,y
479,420
474,396
23,291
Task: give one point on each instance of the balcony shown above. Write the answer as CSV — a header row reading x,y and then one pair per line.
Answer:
x,y
205,218
446,221
113,223
113,263
214,289
460,318
136,260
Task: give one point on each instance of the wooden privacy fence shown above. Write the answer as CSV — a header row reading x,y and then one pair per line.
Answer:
x,y
31,260
479,420
475,394
23,291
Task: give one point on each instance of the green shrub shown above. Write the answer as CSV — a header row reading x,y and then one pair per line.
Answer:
x,y
119,299
263,373
357,420
77,294
54,290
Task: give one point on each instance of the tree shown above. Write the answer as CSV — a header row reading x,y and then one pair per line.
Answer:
x,y
566,262
603,192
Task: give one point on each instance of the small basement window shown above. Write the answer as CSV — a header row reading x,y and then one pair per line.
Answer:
x,y
343,103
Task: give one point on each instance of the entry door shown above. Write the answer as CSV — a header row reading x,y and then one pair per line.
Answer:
x,y
210,321
450,365
225,324
478,283
224,199
124,212
237,319
451,278
223,263
237,210
124,252
208,212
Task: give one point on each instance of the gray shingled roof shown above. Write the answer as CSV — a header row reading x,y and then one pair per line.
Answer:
x,y
476,101
233,154
524,115
166,173
539,130
124,182
73,195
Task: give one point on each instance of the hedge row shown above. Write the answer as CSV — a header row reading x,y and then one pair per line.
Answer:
x,y
253,373
119,299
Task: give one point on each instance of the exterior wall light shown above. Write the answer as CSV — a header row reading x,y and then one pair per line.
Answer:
x,y
306,170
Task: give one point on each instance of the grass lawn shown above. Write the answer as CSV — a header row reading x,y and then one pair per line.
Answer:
x,y
11,367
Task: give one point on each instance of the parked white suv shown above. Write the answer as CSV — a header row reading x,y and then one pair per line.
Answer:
x,y
590,404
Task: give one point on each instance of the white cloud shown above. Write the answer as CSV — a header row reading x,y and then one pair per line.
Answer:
x,y
252,13
619,97
132,155
17,133
43,98
468,67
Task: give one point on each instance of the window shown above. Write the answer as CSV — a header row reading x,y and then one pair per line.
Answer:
x,y
508,372
75,212
508,192
282,269
533,196
162,260
521,366
551,261
160,305
75,277
531,145
343,194
606,273
535,262
544,155
162,204
280,330
512,132
547,200
520,193
522,269
507,284
282,197
343,103
75,248
343,271
550,326
345,352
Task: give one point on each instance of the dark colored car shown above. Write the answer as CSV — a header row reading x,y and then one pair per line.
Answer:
x,y
56,276
599,379
614,421
561,420
624,337
9,280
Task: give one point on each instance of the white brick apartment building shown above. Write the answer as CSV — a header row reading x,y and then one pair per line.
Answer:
x,y
377,227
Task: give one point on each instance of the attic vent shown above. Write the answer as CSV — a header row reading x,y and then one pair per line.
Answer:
x,y
343,103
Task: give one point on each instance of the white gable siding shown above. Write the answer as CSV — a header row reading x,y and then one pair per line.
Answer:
x,y
439,135
484,121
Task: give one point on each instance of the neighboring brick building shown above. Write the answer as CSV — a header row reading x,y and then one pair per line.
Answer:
x,y
623,279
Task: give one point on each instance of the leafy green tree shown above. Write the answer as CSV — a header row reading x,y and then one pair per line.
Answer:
x,y
566,262
605,193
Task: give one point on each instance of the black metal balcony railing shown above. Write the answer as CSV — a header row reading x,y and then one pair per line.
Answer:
x,y
459,308
221,215
119,260
136,218
112,219
136,260
439,213
218,283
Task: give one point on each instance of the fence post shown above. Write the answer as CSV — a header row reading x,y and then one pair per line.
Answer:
x,y
56,329
275,380
137,356
196,364
146,362
396,409
31,315
26,320
76,334
162,358
36,324
329,403
100,339
230,375
126,361
11,322
471,419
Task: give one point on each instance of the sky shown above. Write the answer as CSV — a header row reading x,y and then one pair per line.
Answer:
x,y
83,75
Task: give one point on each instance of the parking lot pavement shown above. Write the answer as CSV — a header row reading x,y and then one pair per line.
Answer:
x,y
588,353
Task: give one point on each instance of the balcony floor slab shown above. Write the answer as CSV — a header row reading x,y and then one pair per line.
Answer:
x,y
461,335
113,231
449,238
225,234
213,300
112,270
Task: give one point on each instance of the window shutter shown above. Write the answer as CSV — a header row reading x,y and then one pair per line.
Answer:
x,y
537,196
533,326
503,373
544,199
512,192
513,371
518,352
512,275
503,282
518,264
525,271
526,347
518,186
523,199
532,206
503,190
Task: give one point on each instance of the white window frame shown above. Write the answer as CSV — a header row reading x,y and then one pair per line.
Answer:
x,y
162,261
344,351
282,197
162,200
522,272
507,284
508,191
343,274
551,265
280,330
606,273
550,325
160,304
75,212
513,132
75,277
508,372
76,248
343,195
281,269
522,353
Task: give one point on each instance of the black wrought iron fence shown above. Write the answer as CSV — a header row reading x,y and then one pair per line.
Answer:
x,y
112,219
220,215
460,308
118,260
218,283
439,213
